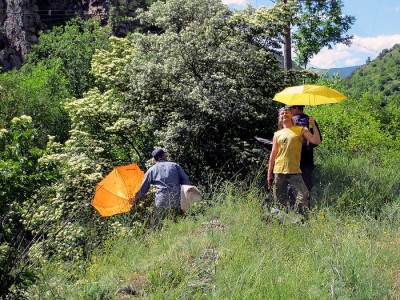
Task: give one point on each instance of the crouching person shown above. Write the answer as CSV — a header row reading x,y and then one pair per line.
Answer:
x,y
167,178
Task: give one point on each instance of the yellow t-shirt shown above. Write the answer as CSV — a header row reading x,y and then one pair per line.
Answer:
x,y
290,141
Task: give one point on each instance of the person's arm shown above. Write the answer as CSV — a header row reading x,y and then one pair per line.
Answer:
x,y
183,178
312,138
271,162
311,129
316,126
144,188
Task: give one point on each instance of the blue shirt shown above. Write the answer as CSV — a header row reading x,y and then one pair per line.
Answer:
x,y
167,177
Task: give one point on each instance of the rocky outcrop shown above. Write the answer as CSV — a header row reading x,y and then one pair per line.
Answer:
x,y
20,26
21,21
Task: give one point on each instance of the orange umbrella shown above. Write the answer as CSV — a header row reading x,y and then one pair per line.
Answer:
x,y
114,191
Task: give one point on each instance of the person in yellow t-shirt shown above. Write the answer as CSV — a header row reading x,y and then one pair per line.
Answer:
x,y
284,160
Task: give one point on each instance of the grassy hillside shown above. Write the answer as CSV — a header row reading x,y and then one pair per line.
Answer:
x,y
226,250
230,252
380,76
202,90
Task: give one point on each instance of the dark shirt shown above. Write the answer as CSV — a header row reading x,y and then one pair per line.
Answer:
x,y
167,177
307,152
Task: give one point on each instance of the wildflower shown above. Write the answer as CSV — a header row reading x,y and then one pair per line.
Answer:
x,y
3,132
23,118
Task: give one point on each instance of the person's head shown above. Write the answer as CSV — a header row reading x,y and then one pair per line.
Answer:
x,y
284,116
158,154
296,109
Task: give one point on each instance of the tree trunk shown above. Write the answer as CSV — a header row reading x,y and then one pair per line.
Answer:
x,y
287,48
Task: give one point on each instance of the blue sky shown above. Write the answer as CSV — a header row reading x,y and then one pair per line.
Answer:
x,y
377,28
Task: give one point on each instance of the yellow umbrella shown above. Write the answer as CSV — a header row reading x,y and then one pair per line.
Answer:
x,y
309,95
115,190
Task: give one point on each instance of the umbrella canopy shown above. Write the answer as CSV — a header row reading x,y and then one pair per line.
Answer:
x,y
114,191
309,95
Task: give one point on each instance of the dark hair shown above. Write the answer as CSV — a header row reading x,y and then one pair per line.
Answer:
x,y
158,153
300,107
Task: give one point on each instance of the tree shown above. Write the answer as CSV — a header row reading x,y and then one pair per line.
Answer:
x,y
287,45
58,68
36,91
122,16
21,176
209,90
200,89
319,24
265,27
71,48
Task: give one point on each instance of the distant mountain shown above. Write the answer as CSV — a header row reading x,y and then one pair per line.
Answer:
x,y
343,72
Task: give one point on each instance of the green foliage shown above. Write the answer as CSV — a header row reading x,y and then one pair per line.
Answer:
x,y
87,155
361,126
356,174
108,65
315,24
71,48
98,142
201,88
176,15
18,159
34,226
209,90
356,184
265,27
98,130
380,77
21,176
122,16
201,92
36,91
59,66
319,24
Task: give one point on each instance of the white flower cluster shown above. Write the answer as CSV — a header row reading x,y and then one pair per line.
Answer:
x,y
22,119
3,133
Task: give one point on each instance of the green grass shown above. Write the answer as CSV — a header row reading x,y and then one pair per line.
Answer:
x,y
229,252
356,184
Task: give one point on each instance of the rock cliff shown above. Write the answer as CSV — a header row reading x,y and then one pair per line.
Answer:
x,y
21,21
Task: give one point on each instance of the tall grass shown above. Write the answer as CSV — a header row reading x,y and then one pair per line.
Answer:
x,y
229,252
356,184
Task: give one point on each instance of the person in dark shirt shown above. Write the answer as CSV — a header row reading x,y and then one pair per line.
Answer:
x,y
307,152
167,178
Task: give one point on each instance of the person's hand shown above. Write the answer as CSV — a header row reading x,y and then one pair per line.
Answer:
x,y
270,181
311,121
